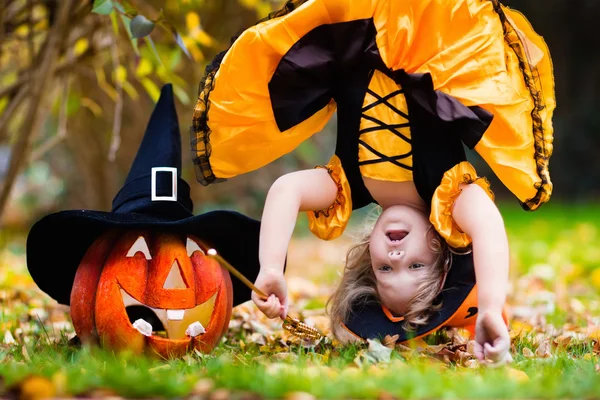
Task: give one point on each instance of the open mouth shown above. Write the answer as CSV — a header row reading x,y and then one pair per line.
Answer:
x,y
396,236
170,324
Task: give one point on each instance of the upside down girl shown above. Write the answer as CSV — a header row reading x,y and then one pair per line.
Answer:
x,y
412,81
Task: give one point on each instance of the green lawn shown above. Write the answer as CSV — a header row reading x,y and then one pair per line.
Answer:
x,y
554,296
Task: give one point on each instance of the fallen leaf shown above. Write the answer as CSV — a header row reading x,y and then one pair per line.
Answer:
x,y
471,347
562,341
543,351
527,353
36,388
390,341
377,352
9,339
256,338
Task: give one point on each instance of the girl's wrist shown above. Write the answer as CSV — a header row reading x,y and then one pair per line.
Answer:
x,y
271,268
490,310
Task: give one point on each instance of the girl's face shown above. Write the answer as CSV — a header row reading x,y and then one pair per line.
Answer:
x,y
401,255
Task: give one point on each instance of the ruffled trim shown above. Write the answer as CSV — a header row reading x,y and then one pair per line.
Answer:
x,y
199,131
542,139
443,200
331,222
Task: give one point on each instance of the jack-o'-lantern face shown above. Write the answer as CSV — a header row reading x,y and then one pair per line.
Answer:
x,y
139,290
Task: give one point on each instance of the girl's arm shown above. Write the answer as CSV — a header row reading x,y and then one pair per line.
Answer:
x,y
298,191
477,215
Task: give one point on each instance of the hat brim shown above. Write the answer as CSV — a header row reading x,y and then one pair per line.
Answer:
x,y
57,243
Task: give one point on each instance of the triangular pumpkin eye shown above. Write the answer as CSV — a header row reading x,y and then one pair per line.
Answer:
x,y
141,246
192,246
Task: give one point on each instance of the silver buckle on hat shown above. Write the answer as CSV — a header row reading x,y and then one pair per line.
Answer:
x,y
173,172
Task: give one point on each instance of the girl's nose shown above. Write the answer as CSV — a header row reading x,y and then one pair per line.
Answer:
x,y
396,254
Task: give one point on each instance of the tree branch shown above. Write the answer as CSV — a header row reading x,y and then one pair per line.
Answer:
x,y
14,104
38,89
116,131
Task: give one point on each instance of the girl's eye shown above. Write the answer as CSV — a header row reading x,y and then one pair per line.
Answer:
x,y
385,268
416,266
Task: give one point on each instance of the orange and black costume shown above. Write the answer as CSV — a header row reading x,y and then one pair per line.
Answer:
x,y
412,81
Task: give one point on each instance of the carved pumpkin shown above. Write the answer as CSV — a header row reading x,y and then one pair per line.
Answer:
x,y
164,279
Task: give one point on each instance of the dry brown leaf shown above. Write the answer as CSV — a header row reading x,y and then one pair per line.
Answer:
x,y
462,357
562,341
471,347
390,341
405,351
472,363
458,336
527,353
436,348
543,351
256,338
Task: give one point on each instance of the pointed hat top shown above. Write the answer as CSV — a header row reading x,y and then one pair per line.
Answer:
x,y
146,189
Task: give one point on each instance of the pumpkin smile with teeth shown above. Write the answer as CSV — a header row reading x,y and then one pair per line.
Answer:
x,y
174,323
142,290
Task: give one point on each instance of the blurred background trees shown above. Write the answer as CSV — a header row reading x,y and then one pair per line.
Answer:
x,y
77,88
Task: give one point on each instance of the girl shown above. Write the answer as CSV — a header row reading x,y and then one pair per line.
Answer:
x,y
412,81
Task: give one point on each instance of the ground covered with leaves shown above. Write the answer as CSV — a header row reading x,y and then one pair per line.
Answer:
x,y
554,309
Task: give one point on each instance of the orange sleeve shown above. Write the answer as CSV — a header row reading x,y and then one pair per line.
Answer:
x,y
443,200
330,223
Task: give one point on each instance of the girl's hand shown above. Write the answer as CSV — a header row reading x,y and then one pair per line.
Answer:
x,y
492,341
272,283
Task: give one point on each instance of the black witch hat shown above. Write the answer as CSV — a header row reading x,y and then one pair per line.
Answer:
x,y
154,196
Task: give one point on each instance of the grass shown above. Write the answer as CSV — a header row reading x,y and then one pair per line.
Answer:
x,y
81,371
553,248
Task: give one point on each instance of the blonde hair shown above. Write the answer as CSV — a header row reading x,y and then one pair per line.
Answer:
x,y
359,285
